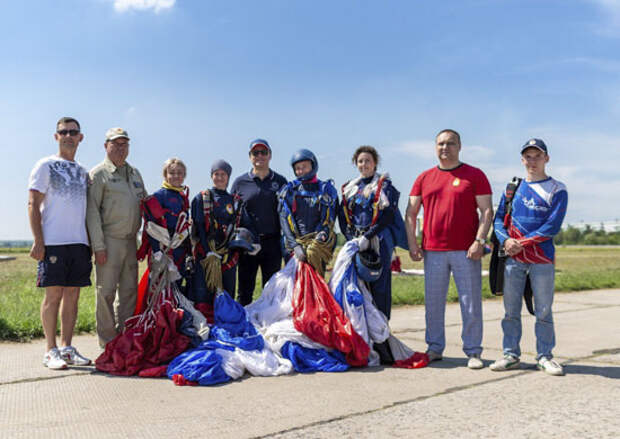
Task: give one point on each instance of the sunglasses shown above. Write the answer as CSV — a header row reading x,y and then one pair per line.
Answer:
x,y
257,152
70,132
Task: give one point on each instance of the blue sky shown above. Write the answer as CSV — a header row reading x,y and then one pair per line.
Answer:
x,y
200,79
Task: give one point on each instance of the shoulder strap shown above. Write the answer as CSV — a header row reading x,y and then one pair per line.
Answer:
x,y
511,189
207,207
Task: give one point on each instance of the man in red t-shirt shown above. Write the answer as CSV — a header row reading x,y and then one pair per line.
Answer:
x,y
453,240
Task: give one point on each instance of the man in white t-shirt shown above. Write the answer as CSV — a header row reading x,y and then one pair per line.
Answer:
x,y
57,213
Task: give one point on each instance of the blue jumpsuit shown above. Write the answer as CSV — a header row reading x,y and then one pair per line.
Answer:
x,y
312,207
173,202
224,212
389,227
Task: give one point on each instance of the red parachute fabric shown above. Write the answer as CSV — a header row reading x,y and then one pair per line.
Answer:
x,y
143,289
317,315
149,340
416,361
206,310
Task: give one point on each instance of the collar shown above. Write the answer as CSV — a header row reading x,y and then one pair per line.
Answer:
x,y
111,167
168,186
252,176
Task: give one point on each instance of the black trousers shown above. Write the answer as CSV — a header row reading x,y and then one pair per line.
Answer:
x,y
269,259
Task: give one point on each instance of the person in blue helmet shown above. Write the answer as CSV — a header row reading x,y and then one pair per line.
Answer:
x,y
307,208
369,212
168,207
217,217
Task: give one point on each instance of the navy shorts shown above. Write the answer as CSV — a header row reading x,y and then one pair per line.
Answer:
x,y
65,266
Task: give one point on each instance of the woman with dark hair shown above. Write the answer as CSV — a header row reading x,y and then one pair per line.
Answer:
x,y
369,212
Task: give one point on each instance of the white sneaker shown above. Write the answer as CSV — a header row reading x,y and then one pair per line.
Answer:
x,y
53,360
72,356
475,362
550,366
507,362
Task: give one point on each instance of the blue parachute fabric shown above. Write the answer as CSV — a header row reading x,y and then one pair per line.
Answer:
x,y
186,328
349,290
306,360
202,365
232,326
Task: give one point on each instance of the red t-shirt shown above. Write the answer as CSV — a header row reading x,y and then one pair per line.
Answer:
x,y
450,209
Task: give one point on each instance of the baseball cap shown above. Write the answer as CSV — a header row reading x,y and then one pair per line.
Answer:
x,y
535,143
116,133
257,142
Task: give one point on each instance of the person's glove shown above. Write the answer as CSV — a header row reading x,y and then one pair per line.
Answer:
x,y
299,253
364,243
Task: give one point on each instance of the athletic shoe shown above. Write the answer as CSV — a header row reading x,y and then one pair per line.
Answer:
x,y
53,360
433,356
550,366
506,363
72,356
475,362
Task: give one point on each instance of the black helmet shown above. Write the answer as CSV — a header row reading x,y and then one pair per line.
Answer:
x,y
368,265
242,240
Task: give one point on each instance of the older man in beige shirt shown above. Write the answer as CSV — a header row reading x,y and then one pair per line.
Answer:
x,y
113,220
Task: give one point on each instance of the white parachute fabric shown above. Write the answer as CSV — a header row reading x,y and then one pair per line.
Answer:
x,y
357,302
272,313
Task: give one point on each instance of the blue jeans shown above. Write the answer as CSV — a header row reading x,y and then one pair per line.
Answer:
x,y
542,279
468,279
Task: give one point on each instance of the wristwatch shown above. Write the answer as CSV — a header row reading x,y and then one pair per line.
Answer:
x,y
481,240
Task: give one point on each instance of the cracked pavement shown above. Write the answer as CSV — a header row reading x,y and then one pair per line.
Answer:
x,y
445,399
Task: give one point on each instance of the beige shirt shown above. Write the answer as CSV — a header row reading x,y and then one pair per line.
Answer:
x,y
113,208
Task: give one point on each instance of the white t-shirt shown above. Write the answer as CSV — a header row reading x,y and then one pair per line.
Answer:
x,y
63,211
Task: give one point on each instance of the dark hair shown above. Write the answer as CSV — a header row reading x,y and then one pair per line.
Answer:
x,y
66,120
448,130
370,150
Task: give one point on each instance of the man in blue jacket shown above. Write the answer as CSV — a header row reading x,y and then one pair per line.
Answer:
x,y
258,188
538,209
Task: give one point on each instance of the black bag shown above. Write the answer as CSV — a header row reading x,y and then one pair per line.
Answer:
x,y
498,257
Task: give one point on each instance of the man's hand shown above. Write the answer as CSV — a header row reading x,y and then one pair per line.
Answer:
x,y
101,257
37,252
512,247
475,251
415,253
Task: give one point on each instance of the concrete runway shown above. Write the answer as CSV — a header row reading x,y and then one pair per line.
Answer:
x,y
443,400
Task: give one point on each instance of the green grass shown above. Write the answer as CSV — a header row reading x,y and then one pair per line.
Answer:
x,y
578,268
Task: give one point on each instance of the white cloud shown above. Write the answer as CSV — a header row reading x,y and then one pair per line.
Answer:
x,y
423,149
611,11
142,5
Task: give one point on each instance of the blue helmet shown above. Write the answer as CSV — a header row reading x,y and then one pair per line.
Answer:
x,y
368,265
300,156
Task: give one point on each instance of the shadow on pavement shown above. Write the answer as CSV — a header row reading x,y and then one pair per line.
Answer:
x,y
604,371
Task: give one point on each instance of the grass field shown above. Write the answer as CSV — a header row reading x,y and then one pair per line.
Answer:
x,y
578,268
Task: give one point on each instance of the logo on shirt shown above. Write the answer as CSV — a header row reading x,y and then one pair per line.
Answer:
x,y
229,209
275,186
53,259
531,204
456,182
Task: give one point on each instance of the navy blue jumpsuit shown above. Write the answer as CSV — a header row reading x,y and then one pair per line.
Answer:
x,y
388,226
224,212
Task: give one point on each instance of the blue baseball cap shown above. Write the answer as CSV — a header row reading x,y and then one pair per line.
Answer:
x,y
258,142
535,143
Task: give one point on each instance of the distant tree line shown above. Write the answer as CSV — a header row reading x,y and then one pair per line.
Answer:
x,y
587,236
